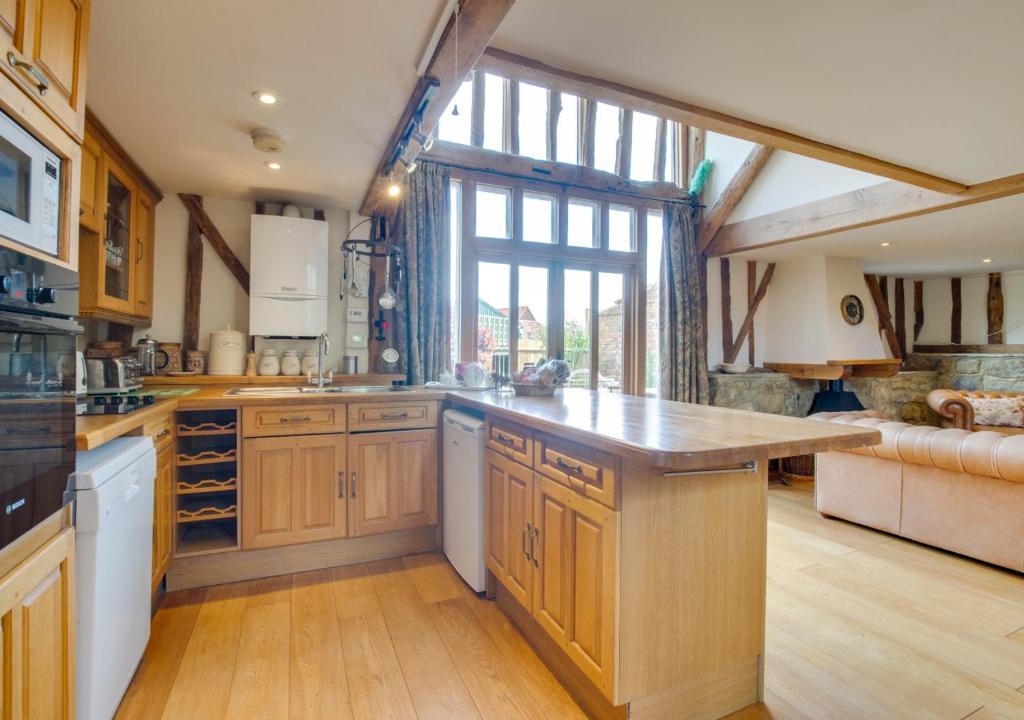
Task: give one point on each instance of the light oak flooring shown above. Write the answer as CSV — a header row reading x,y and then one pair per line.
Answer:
x,y
861,625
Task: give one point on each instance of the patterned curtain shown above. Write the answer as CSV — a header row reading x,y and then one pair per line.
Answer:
x,y
684,368
423,234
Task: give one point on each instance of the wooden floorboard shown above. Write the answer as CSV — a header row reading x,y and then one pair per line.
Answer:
x,y
860,625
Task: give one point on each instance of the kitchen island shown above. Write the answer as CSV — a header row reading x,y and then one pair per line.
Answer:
x,y
626,538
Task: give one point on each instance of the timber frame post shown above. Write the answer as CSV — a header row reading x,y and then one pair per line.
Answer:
x,y
747,328
882,307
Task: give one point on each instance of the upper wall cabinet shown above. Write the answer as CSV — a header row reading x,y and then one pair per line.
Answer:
x,y
43,47
117,240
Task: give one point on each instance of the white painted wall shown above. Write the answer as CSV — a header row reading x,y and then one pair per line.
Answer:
x,y
845,276
726,155
738,292
937,301
797,316
223,300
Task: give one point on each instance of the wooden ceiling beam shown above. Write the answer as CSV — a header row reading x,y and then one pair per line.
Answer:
x,y
731,196
872,205
882,307
523,68
478,21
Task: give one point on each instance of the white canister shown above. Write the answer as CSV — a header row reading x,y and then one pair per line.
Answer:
x,y
227,352
310,363
290,363
270,363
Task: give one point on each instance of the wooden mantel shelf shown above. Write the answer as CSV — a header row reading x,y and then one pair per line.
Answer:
x,y
839,369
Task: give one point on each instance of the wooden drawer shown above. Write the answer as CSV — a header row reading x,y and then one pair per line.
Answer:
x,y
264,421
590,472
364,417
511,440
161,430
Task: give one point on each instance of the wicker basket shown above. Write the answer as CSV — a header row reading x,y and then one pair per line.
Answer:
x,y
799,467
531,390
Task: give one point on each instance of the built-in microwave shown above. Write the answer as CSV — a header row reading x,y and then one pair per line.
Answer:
x,y
30,189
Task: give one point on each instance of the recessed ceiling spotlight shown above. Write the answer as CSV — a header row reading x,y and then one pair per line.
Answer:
x,y
273,165
986,260
886,244
265,97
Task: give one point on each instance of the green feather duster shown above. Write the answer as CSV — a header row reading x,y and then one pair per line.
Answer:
x,y
700,177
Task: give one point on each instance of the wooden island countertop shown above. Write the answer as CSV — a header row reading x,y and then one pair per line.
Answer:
x,y
667,434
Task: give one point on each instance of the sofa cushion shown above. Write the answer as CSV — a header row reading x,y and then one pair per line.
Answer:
x,y
1002,412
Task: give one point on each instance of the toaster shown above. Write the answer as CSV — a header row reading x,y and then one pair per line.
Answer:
x,y
112,375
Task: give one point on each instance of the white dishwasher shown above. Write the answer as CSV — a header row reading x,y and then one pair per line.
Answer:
x,y
114,555
464,495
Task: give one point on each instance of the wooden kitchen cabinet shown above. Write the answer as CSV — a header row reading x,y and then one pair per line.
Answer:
x,y
509,499
43,45
294,490
118,239
392,481
37,617
163,513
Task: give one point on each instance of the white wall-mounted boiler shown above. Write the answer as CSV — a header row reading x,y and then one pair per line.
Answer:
x,y
287,276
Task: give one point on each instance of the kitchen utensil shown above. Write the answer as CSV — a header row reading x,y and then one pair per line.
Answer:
x,y
270,363
290,363
349,365
147,350
196,362
734,368
390,356
310,363
227,352
112,375
388,298
474,375
250,364
81,383
174,358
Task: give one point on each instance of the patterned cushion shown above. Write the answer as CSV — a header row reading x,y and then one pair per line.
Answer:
x,y
1004,412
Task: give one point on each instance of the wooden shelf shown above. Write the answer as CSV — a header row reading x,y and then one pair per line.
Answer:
x,y
207,457
207,486
206,539
203,513
839,369
207,429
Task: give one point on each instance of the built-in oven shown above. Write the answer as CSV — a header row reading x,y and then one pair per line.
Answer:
x,y
38,368
30,189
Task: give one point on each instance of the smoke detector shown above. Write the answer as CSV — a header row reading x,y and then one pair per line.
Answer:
x,y
267,140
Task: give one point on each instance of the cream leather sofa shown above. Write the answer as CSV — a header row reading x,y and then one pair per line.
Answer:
x,y
956,412
955,489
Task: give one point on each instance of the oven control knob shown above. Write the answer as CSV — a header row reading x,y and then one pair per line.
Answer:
x,y
45,296
5,284
117,400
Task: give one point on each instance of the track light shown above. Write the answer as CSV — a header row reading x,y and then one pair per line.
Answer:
x,y
425,141
410,165
394,189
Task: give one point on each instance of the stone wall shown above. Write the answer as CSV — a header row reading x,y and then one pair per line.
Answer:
x,y
767,392
978,371
901,397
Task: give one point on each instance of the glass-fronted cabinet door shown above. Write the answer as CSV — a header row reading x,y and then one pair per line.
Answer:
x,y
117,254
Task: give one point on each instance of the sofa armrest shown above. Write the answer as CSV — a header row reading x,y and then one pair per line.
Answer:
x,y
953,409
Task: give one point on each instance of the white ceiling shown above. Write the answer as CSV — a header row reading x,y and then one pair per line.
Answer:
x,y
951,242
172,82
930,84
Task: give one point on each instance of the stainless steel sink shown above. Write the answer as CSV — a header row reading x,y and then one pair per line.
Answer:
x,y
294,390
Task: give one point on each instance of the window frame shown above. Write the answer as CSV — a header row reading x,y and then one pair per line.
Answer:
x,y
557,257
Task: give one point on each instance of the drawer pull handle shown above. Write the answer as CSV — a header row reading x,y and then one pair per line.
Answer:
x,y
296,418
506,439
534,537
526,535
395,416
748,468
163,433
42,84
564,464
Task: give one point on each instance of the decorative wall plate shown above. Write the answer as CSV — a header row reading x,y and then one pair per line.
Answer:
x,y
852,309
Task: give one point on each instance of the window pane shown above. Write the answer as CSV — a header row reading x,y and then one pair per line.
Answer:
x,y
606,137
621,228
494,112
493,212
653,364
533,315
583,225
492,332
671,151
533,121
455,258
539,216
456,128
645,137
569,130
610,332
576,330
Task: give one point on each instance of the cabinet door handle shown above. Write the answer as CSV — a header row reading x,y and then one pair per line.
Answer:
x,y
564,464
42,84
533,539
163,433
505,439
526,536
138,241
395,416
296,418
341,483
353,484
